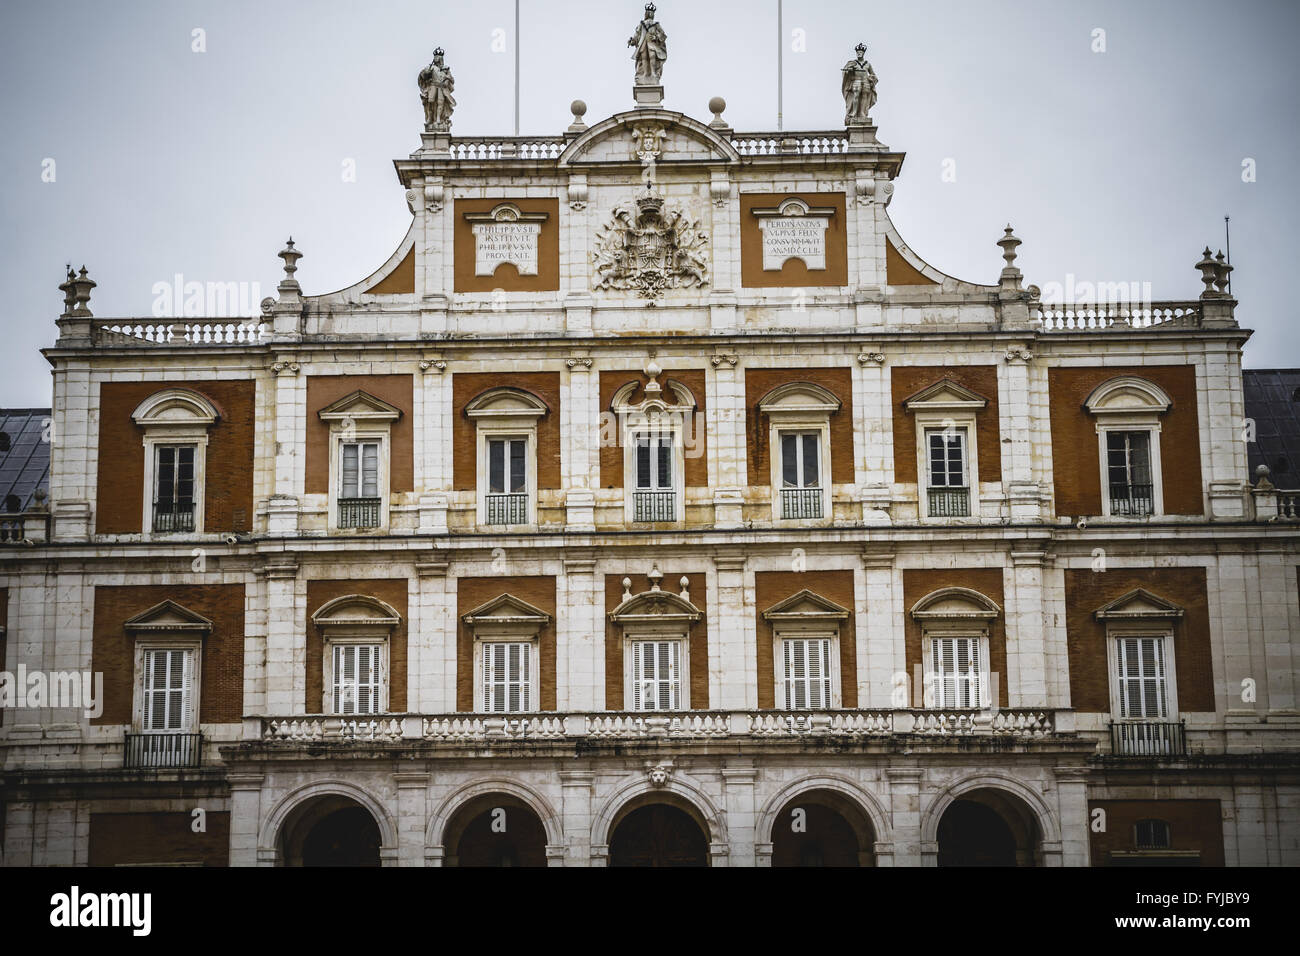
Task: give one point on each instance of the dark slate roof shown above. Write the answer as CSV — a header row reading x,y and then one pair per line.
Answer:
x,y
25,464
1273,401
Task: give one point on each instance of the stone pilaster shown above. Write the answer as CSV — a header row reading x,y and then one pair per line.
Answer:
x,y
286,641
1015,425
726,439
905,809
290,463
1026,650
431,641
412,817
733,659
581,637
873,434
576,810
433,443
580,432
738,780
880,646
245,819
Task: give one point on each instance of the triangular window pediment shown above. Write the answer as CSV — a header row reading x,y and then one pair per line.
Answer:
x,y
1138,604
805,606
360,406
168,616
507,610
945,395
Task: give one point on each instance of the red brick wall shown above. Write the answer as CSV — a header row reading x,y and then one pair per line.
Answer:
x,y
160,837
470,593
698,636
391,591
772,587
228,488
907,380
465,387
1076,458
837,381
325,390
221,698
917,583
1087,590
1193,825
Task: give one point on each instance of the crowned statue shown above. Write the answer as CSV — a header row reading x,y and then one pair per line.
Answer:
x,y
859,88
651,48
436,85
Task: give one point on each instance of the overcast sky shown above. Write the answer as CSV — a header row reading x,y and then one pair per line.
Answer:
x,y
1114,166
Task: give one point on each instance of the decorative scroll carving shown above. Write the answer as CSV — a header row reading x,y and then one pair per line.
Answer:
x,y
649,245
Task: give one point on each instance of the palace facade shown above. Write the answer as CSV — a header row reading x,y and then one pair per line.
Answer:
x,y
654,503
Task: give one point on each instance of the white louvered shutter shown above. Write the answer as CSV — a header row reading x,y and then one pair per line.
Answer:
x,y
806,666
656,675
1143,690
168,690
507,678
357,679
958,672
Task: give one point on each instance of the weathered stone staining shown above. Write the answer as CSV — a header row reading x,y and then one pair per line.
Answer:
x,y
794,230
506,235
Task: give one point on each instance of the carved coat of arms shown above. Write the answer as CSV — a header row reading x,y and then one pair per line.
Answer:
x,y
649,245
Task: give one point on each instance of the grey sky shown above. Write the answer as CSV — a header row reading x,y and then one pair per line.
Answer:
x,y
1114,166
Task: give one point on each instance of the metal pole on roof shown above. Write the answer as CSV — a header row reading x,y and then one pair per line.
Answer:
x,y
780,52
1227,238
516,67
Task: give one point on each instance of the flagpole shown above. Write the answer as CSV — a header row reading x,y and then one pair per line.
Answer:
x,y
780,52
516,67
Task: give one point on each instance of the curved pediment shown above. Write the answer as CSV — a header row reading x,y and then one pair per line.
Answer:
x,y
176,406
356,610
955,604
638,134
799,397
655,605
1126,394
672,396
506,402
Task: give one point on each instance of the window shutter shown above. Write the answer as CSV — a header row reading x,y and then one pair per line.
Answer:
x,y
811,460
188,691
518,481
349,476
370,470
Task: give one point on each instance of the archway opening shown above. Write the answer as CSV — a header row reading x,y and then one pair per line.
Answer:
x,y
495,829
658,834
330,831
822,828
989,827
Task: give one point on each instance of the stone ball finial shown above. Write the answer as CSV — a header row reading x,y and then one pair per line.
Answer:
x,y
716,105
1262,471
578,108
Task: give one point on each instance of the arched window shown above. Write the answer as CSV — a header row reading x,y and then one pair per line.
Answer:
x,y
799,435
955,624
1127,411
357,630
176,423
505,425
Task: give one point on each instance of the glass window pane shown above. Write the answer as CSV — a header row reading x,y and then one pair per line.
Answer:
x,y
789,461
643,461
496,467
665,475
517,465
370,470
349,477
811,460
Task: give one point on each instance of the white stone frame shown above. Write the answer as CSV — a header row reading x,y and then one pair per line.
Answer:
x,y
946,405
356,619
1128,403
167,626
799,407
654,415
957,612
657,615
506,413
359,417
802,616
1140,613
507,620
794,207
175,416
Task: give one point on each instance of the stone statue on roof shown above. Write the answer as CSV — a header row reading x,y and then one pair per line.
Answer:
x,y
859,88
436,85
651,48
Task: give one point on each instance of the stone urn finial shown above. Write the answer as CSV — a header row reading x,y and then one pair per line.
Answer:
x,y
81,286
1221,272
1009,244
1208,270
655,577
69,292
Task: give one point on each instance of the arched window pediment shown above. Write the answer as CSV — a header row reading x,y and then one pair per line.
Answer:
x,y
356,610
1127,394
799,398
506,402
655,606
176,406
672,397
955,604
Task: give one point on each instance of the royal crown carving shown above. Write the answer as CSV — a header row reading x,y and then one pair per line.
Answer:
x,y
651,244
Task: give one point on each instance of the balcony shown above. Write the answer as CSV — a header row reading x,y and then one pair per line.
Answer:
x,y
358,513
506,509
475,729
949,502
162,751
172,518
28,528
1131,500
1143,739
801,503
654,506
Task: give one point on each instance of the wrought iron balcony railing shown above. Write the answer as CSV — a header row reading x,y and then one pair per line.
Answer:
x,y
801,503
172,518
949,502
506,509
654,506
1146,739
162,751
1131,500
358,512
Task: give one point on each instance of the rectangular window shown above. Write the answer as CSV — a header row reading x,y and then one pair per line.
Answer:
x,y
957,672
654,461
656,675
947,458
1128,472
168,689
360,471
800,459
1143,692
507,687
173,500
507,472
356,679
806,670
